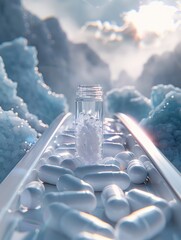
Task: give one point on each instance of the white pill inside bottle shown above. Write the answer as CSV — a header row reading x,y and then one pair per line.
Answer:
x,y
80,200
69,182
50,173
143,224
90,236
32,194
72,222
101,179
84,170
139,199
115,203
137,171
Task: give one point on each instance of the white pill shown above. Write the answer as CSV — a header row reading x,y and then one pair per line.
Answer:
x,y
109,135
29,220
69,182
154,175
91,236
111,149
64,154
81,200
126,155
72,222
144,158
65,138
137,171
130,141
115,203
54,160
137,150
50,148
115,139
50,173
47,153
140,225
101,179
84,170
139,199
31,196
123,158
71,163
111,160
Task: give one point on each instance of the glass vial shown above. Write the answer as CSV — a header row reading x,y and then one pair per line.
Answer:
x,y
89,123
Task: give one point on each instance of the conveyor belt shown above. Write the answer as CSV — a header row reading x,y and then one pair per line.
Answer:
x,y
24,173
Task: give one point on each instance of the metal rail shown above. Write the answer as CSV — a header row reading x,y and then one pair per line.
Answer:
x,y
18,176
170,174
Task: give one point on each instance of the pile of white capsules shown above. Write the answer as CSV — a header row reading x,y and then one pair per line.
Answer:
x,y
94,202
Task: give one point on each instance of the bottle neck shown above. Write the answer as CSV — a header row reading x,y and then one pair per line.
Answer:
x,y
89,92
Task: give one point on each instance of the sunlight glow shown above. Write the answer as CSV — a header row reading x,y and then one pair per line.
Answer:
x,y
155,18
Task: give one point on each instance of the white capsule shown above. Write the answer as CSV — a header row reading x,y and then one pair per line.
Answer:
x,y
69,182
144,158
139,199
90,236
72,222
54,160
136,171
31,196
48,152
154,175
101,179
65,138
111,160
71,163
111,149
29,220
81,200
124,158
50,173
126,155
130,141
142,224
137,150
84,170
63,154
115,203
115,139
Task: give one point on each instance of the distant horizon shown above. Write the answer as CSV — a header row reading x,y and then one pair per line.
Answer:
x,y
127,32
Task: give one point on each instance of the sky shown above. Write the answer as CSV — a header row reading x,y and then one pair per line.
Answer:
x,y
125,33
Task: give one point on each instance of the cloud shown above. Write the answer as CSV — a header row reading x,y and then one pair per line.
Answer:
x,y
63,63
129,101
163,123
138,35
125,34
143,25
152,21
16,137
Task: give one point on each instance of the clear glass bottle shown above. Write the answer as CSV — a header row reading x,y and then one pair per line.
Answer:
x,y
89,123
